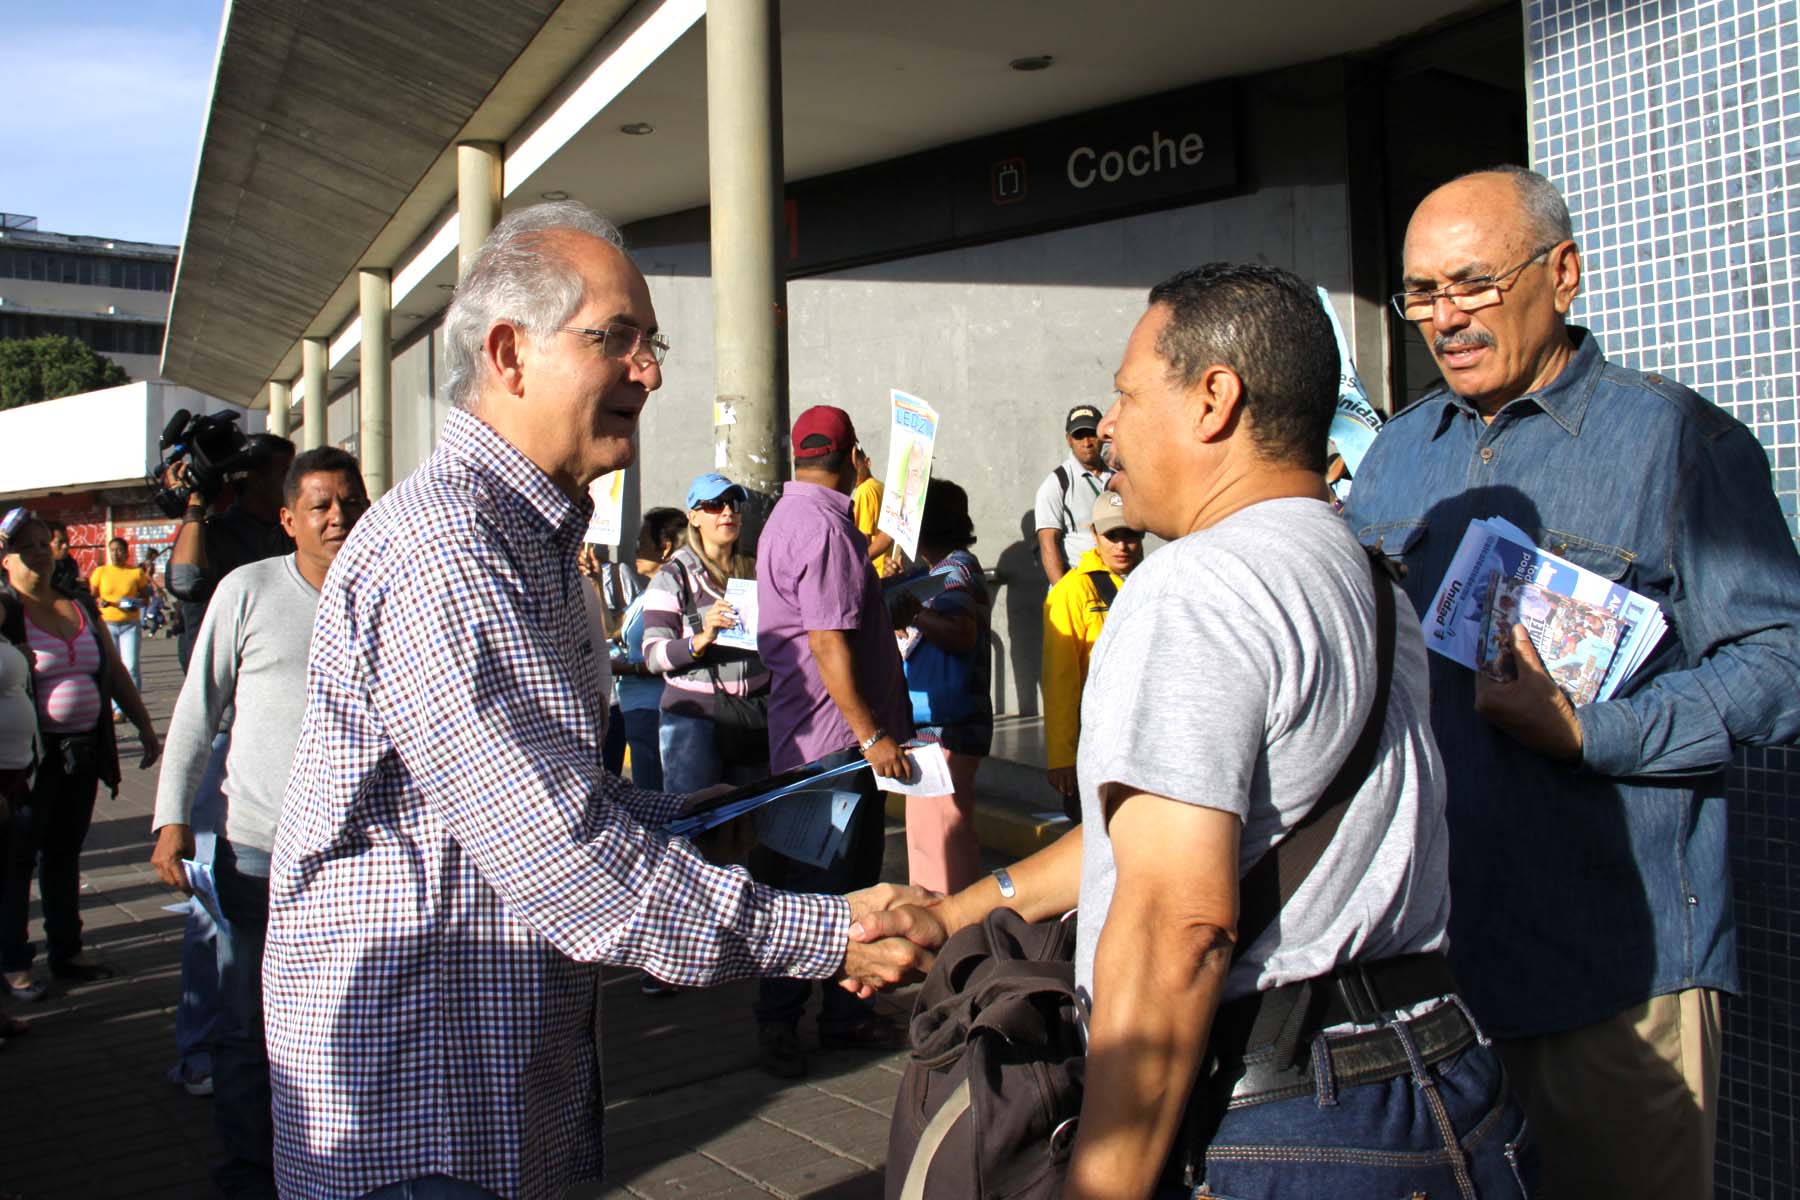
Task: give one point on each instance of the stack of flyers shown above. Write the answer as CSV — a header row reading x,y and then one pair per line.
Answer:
x,y
1575,640
1496,550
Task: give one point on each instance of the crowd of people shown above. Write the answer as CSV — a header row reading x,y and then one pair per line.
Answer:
x,y
438,753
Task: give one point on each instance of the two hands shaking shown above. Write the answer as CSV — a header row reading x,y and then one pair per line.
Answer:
x,y
895,933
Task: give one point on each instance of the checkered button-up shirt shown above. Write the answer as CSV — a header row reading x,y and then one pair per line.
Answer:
x,y
452,861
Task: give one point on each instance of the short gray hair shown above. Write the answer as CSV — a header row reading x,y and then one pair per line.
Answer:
x,y
1546,212
521,276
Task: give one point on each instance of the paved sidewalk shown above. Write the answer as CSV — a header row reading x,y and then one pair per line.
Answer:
x,y
88,1113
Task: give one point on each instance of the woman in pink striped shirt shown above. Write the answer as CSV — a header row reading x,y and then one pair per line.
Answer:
x,y
76,675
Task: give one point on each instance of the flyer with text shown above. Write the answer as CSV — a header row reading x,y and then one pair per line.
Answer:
x,y
912,437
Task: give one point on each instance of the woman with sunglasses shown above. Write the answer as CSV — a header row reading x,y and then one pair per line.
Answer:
x,y
684,613
76,675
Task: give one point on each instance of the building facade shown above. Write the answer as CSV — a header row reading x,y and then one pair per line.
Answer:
x,y
111,295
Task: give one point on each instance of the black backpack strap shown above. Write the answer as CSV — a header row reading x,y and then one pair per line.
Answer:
x,y
1104,586
1276,876
1062,481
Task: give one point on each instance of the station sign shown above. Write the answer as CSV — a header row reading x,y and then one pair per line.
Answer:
x,y
1156,152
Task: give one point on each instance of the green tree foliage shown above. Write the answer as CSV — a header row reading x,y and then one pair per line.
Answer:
x,y
43,368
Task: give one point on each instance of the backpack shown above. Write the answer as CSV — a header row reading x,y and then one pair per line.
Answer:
x,y
997,1036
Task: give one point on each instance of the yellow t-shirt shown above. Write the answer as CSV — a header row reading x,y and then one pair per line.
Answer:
x,y
111,584
865,510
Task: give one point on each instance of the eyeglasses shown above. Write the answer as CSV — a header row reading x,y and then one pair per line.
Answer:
x,y
715,507
624,341
1466,295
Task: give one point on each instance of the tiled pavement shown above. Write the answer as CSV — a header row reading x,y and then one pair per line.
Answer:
x,y
85,1110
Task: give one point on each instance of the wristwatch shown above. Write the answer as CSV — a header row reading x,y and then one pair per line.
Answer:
x,y
1007,890
863,746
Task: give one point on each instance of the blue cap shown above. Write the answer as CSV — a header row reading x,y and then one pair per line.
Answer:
x,y
713,486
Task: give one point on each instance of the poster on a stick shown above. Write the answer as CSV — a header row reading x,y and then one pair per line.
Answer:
x,y
912,436
607,526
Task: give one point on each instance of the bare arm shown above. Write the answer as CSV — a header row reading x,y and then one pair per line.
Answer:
x,y
956,632
1159,971
186,574
1050,554
879,544
831,650
126,693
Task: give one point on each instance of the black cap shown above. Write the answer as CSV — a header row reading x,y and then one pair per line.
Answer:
x,y
1082,416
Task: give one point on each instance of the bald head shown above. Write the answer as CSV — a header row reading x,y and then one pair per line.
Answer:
x,y
1507,228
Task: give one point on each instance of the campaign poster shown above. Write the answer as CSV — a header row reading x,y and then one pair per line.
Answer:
x,y
1355,424
912,436
607,526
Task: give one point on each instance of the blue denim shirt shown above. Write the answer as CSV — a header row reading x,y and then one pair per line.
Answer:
x,y
1579,891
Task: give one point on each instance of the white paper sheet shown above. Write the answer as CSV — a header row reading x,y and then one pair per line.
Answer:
x,y
931,773
741,595
808,825
200,882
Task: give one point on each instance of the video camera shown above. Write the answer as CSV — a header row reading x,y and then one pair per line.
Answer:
x,y
215,451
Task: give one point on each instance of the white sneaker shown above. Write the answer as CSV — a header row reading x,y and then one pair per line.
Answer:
x,y
198,1087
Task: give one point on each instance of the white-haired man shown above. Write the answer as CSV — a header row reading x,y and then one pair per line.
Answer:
x,y
452,860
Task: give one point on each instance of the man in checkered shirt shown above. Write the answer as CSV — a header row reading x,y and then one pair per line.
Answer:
x,y
452,862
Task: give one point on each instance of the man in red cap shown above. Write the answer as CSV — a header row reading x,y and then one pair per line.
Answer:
x,y
838,689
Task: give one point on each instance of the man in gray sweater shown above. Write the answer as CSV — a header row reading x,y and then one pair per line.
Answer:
x,y
250,657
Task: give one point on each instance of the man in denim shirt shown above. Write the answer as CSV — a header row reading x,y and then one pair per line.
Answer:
x,y
1591,925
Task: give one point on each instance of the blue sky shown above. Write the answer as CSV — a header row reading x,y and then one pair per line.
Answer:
x,y
105,102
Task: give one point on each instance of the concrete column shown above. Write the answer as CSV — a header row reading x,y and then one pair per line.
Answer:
x,y
743,123
477,197
281,399
375,438
313,355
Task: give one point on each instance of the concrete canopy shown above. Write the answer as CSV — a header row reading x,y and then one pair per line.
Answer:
x,y
327,117
331,140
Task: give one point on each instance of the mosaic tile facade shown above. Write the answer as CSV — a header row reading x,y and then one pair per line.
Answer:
x,y
1673,127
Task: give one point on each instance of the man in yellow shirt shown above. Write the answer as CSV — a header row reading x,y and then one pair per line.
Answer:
x,y
1074,611
122,591
865,510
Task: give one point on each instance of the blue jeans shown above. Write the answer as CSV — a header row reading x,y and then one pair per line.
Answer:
x,y
197,1013
643,733
1449,1130
242,1114
690,759
126,635
431,1187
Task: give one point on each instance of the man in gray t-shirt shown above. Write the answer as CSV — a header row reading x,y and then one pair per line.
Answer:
x,y
1235,675
249,659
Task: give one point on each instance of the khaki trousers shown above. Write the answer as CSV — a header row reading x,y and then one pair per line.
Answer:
x,y
1628,1106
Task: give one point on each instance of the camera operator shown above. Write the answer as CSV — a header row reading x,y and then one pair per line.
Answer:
x,y
209,548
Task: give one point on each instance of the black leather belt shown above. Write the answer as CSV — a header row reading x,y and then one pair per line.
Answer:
x,y
1356,1058
1263,1046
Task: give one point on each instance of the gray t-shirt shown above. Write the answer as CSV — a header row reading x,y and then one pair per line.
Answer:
x,y
250,652
1235,671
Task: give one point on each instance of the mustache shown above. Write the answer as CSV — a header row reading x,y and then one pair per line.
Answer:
x,y
1109,454
1468,339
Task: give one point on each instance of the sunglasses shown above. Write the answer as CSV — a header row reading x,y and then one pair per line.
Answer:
x,y
715,507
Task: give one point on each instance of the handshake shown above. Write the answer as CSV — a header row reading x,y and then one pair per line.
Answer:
x,y
895,933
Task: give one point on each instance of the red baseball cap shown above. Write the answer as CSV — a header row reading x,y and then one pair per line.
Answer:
x,y
823,430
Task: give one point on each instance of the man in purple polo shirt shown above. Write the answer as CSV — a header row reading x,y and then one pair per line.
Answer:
x,y
837,689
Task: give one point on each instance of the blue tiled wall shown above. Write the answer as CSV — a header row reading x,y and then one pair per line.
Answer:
x,y
1673,127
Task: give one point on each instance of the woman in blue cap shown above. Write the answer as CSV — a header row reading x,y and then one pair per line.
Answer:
x,y
714,714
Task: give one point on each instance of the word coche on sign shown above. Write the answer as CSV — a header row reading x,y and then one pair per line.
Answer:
x,y
1160,153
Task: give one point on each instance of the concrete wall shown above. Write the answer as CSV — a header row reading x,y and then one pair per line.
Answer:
x,y
1002,339
86,298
